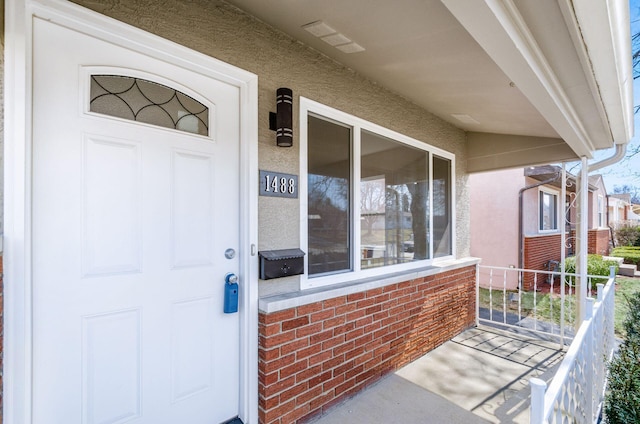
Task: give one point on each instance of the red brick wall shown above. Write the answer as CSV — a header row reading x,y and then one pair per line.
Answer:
x,y
599,242
538,251
313,356
1,337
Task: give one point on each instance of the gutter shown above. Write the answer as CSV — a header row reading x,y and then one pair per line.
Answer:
x,y
581,257
520,220
618,155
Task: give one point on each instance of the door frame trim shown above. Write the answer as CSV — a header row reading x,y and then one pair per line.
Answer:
x,y
18,264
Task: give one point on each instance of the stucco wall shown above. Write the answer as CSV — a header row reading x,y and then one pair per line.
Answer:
x,y
222,31
494,216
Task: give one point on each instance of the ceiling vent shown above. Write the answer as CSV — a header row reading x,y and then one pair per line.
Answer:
x,y
464,118
332,37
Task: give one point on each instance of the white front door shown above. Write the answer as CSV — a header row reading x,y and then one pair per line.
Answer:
x,y
131,222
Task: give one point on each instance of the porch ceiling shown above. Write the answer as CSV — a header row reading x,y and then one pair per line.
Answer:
x,y
549,69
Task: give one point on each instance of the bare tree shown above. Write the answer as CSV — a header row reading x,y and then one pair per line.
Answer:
x,y
372,202
634,191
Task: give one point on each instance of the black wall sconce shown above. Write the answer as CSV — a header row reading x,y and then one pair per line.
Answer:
x,y
282,121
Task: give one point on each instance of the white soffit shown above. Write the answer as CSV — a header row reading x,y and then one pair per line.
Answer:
x,y
573,71
519,67
414,48
502,32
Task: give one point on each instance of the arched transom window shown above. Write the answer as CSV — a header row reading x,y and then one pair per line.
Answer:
x,y
145,101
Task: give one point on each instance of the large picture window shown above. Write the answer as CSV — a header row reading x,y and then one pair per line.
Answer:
x,y
376,201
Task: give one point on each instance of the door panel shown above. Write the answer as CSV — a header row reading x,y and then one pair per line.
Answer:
x,y
111,218
192,206
111,389
130,225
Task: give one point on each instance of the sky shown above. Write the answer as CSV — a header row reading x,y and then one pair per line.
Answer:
x,y
626,172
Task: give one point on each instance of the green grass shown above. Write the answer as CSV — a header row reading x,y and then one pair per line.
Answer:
x,y
547,307
545,303
626,287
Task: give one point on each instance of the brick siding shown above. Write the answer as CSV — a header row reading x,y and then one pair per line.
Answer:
x,y
314,356
538,250
1,338
599,241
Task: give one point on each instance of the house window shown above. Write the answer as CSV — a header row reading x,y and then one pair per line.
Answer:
x,y
548,211
377,201
602,217
600,212
145,101
442,231
394,207
329,196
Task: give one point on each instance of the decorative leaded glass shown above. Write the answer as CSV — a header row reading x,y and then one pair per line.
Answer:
x,y
140,100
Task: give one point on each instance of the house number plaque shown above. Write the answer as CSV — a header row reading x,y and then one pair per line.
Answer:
x,y
277,184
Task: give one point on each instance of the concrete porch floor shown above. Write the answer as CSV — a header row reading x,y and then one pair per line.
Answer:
x,y
480,376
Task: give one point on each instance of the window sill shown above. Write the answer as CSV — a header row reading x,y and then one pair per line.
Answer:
x,y
545,233
284,301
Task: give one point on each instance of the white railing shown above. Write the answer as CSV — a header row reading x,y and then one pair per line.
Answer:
x,y
533,299
576,393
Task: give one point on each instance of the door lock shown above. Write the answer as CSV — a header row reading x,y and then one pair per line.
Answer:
x,y
230,293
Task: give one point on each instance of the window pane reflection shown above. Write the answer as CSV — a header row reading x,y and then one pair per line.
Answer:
x,y
548,208
394,202
329,180
442,231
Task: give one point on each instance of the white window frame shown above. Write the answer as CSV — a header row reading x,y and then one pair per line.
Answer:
x,y
307,107
601,212
551,192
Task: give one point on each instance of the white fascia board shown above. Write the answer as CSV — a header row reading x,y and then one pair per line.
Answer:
x,y
501,31
605,30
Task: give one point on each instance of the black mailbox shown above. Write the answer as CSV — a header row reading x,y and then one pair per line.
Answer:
x,y
281,263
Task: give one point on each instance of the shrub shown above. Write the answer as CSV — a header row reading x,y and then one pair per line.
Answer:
x,y
596,265
622,402
627,235
631,255
632,320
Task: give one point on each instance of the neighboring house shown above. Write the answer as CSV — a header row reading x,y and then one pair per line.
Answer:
x,y
599,230
634,213
618,209
622,211
517,217
145,195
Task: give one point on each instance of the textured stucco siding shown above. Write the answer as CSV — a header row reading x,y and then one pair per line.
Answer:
x,y
494,216
228,34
